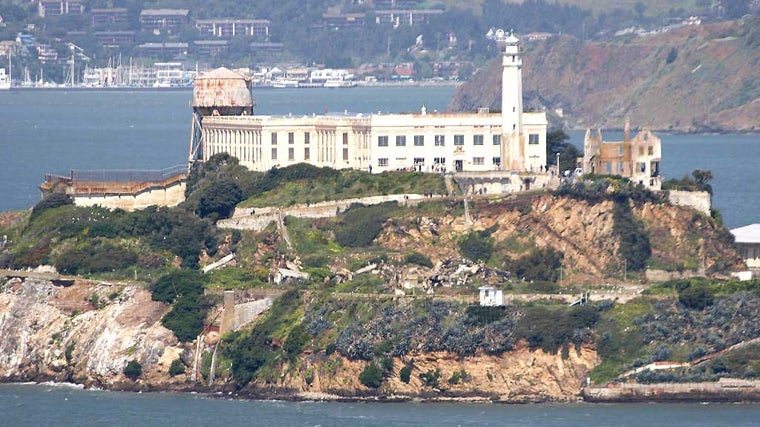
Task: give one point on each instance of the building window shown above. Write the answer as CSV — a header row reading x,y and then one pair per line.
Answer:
x,y
274,139
477,140
419,140
345,154
382,141
440,140
620,167
650,150
419,160
306,153
458,139
291,154
608,167
641,151
306,137
533,139
345,138
291,138
382,161
497,161
642,166
497,140
439,160
478,161
274,153
400,141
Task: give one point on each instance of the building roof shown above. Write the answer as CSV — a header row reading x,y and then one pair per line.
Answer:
x,y
221,73
747,234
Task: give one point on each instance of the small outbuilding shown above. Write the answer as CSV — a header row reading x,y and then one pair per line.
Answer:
x,y
490,296
747,239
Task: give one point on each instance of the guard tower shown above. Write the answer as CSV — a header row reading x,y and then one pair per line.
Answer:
x,y
221,92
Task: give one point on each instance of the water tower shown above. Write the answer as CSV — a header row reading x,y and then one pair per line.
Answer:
x,y
221,92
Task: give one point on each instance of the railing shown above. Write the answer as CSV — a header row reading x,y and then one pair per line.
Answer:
x,y
129,175
104,181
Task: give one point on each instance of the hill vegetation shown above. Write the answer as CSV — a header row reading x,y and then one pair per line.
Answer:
x,y
671,84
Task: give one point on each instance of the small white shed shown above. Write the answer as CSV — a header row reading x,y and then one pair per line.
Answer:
x,y
490,296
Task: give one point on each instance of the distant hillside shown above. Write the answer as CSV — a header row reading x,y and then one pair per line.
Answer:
x,y
698,78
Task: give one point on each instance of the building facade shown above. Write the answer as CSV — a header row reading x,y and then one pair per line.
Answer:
x,y
747,240
481,141
637,158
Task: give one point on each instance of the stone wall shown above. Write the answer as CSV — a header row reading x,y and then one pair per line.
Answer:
x,y
259,218
171,195
699,200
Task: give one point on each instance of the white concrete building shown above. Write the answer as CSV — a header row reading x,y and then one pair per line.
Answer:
x,y
747,239
490,296
511,140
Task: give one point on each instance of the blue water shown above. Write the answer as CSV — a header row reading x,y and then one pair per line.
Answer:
x,y
41,405
55,131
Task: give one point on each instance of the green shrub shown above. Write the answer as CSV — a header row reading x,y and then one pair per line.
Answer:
x,y
133,370
430,378
95,257
186,317
362,224
218,199
476,246
405,374
170,287
371,376
696,297
459,376
634,247
176,368
52,201
297,339
539,265
419,259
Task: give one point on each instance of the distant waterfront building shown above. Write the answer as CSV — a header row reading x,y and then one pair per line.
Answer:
x,y
47,8
161,50
637,158
481,141
101,19
228,28
163,20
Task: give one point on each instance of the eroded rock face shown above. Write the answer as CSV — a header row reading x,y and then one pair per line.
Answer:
x,y
582,231
56,333
521,375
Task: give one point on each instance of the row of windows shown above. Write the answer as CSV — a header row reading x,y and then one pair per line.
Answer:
x,y
306,138
438,140
306,153
478,161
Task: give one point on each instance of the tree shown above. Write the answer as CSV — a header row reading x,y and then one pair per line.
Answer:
x,y
702,178
556,142
52,201
371,376
133,370
219,199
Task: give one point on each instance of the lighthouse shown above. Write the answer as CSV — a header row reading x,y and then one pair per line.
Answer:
x,y
512,144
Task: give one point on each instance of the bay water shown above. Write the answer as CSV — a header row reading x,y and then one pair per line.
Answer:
x,y
47,405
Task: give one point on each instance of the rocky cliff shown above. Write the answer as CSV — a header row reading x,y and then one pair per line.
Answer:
x,y
57,333
83,333
693,79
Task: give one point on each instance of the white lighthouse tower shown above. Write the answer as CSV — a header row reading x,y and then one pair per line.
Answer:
x,y
512,144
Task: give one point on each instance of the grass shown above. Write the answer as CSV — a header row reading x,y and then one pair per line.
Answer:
x,y
349,184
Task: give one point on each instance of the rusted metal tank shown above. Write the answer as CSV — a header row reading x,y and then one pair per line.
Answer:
x,y
222,92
